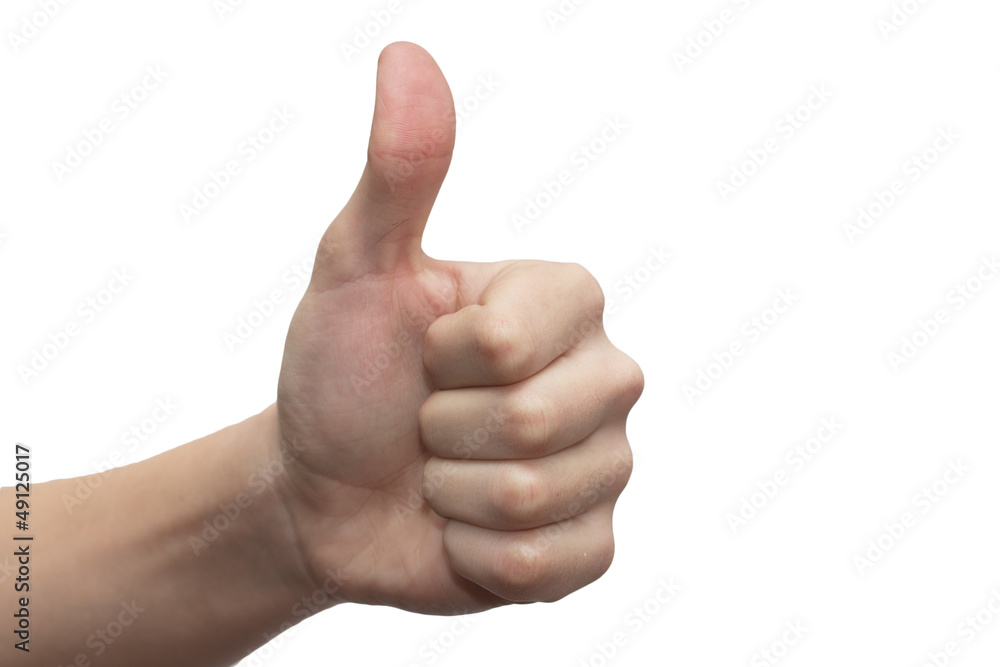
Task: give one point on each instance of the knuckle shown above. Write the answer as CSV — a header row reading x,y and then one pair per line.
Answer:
x,y
503,345
521,495
523,571
529,419
631,380
622,464
606,480
587,288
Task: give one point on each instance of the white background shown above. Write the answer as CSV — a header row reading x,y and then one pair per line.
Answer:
x,y
688,126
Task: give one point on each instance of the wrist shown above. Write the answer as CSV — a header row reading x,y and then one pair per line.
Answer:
x,y
316,588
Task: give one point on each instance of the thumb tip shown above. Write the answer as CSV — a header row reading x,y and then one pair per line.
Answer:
x,y
414,121
406,50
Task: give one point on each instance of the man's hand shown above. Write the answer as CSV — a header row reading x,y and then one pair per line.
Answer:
x,y
452,437
458,430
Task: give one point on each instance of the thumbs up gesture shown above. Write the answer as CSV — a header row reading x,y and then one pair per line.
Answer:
x,y
454,432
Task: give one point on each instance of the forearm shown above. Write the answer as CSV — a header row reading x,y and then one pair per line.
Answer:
x,y
186,558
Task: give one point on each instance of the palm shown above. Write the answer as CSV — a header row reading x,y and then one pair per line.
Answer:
x,y
351,386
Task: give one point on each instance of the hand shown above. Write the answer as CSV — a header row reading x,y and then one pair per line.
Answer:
x,y
458,429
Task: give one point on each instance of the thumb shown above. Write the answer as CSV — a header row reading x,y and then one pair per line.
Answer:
x,y
409,151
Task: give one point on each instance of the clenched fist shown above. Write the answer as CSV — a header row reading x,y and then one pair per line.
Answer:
x,y
455,431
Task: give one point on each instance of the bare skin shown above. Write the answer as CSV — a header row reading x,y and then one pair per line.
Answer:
x,y
448,437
